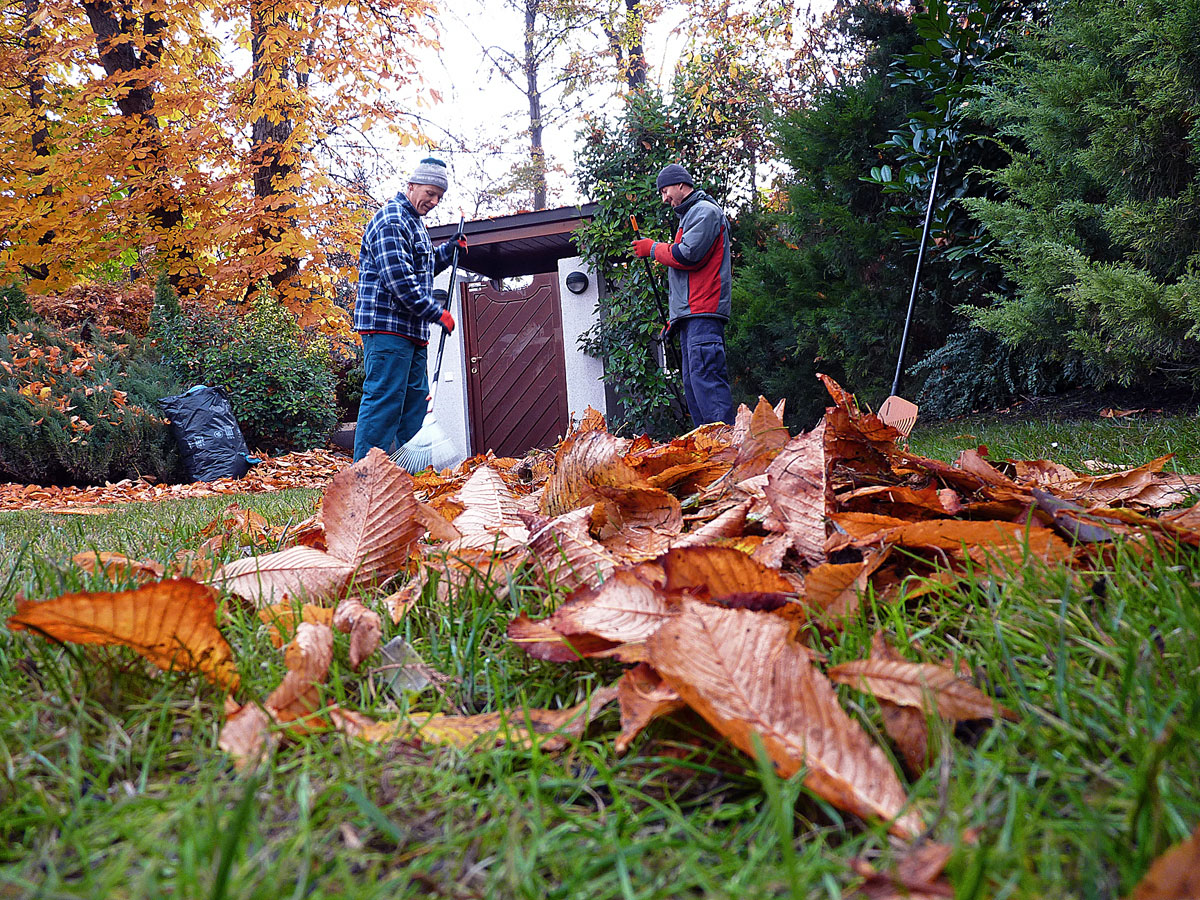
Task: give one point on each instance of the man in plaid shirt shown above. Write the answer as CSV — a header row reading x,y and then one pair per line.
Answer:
x,y
395,308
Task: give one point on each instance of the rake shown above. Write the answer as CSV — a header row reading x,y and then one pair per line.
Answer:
x,y
431,446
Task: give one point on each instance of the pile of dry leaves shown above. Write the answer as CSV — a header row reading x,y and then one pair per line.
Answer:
x,y
702,564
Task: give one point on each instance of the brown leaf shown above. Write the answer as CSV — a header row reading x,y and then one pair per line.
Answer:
x,y
371,516
564,553
644,697
171,623
917,875
624,608
300,573
718,571
489,507
118,565
1175,875
730,523
925,686
766,436
743,673
905,725
548,729
584,462
363,625
247,730
435,523
541,641
799,493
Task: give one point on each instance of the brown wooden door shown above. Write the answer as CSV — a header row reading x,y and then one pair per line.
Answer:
x,y
517,379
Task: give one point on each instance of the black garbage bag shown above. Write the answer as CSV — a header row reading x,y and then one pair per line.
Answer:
x,y
208,434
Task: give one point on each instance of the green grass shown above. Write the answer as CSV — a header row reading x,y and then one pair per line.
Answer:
x,y
112,785
1127,441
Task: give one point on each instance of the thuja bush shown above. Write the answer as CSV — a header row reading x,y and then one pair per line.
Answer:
x,y
81,412
280,381
14,304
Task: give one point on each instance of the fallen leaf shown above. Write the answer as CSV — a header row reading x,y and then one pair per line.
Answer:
x,y
624,608
744,674
363,625
584,462
715,572
548,729
1173,876
541,641
171,623
644,697
925,686
799,493
300,573
117,565
281,617
371,516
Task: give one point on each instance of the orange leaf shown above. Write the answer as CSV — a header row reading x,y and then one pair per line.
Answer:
x,y
541,641
117,565
584,462
371,517
171,623
1175,875
743,673
718,572
765,435
283,616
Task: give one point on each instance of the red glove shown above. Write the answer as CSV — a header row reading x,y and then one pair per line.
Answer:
x,y
643,247
447,321
462,242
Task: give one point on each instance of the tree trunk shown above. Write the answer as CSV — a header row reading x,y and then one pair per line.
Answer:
x,y
117,36
272,172
35,83
635,52
537,153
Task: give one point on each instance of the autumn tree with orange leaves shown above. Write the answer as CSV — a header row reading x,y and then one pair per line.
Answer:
x,y
200,140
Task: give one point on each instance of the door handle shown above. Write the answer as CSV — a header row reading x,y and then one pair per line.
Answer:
x,y
475,360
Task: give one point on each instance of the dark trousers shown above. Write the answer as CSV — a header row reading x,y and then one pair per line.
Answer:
x,y
705,375
395,393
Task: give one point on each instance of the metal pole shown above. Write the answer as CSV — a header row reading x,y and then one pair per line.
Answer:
x,y
912,297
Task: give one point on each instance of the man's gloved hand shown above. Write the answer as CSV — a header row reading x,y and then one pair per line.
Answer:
x,y
461,240
447,321
642,247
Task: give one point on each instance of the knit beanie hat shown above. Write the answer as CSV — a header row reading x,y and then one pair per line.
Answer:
x,y
674,174
431,171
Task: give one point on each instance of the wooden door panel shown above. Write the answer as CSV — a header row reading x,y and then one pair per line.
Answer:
x,y
517,384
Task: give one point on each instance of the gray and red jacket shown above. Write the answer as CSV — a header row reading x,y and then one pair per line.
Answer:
x,y
700,272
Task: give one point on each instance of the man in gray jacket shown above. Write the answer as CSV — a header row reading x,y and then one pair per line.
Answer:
x,y
699,277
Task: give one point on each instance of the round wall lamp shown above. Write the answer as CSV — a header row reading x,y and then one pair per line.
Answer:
x,y
577,282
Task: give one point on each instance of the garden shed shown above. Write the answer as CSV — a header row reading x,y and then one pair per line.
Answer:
x,y
513,374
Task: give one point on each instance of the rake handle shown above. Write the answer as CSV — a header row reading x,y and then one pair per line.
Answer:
x,y
437,365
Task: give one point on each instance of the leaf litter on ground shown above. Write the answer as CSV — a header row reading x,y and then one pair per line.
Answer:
x,y
708,564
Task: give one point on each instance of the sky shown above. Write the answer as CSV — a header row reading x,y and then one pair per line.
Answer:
x,y
477,104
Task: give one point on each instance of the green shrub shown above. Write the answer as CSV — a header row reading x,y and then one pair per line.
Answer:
x,y
279,380
81,413
1099,223
14,305
973,371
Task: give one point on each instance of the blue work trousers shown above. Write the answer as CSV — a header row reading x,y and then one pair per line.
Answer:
x,y
395,393
705,374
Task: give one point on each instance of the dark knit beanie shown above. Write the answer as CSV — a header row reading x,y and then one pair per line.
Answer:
x,y
674,174
431,171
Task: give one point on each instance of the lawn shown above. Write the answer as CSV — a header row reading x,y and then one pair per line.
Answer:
x,y
113,785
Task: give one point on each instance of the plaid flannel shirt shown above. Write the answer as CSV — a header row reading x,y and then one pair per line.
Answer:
x,y
396,265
